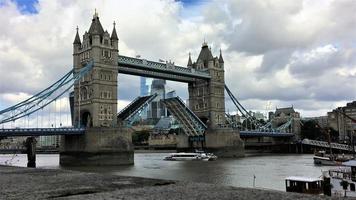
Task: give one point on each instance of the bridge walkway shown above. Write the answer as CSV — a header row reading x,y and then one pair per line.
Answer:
x,y
41,131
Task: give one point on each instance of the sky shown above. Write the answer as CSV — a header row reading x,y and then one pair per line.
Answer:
x,y
277,53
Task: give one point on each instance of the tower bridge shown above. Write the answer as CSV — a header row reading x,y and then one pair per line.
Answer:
x,y
99,137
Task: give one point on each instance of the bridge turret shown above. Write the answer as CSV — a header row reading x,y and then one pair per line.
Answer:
x,y
114,38
190,63
96,31
77,45
221,60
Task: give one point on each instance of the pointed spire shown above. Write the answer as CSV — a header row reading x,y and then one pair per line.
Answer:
x,y
221,60
95,27
77,38
95,14
204,43
190,63
205,53
113,34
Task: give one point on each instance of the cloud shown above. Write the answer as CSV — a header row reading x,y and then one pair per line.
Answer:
x,y
289,52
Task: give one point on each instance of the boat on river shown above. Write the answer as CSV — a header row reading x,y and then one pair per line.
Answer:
x,y
198,156
306,185
341,181
321,158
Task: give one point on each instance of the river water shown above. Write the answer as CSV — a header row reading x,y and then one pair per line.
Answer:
x,y
270,170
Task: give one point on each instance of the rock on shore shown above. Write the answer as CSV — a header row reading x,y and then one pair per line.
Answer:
x,y
26,183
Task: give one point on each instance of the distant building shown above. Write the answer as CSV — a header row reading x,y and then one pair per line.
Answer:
x,y
258,115
144,91
342,124
51,141
270,115
13,143
171,94
321,120
144,87
156,108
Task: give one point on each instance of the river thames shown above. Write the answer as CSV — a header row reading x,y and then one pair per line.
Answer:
x,y
269,170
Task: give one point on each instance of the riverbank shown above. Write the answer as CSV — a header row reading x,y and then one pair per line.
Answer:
x,y
26,183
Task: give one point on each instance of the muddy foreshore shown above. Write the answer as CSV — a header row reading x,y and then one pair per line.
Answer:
x,y
27,183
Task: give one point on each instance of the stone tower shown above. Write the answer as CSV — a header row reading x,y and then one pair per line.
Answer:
x,y
206,98
207,101
96,94
95,103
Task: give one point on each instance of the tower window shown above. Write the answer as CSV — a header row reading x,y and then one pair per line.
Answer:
x,y
106,42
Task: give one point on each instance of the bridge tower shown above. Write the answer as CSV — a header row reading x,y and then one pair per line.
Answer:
x,y
207,101
206,98
95,103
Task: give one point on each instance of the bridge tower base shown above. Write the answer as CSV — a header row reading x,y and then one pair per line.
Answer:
x,y
97,147
223,142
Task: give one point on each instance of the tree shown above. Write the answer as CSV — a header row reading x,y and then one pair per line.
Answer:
x,y
262,122
140,137
334,135
344,185
247,123
311,130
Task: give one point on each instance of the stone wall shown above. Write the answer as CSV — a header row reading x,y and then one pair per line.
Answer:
x,y
99,146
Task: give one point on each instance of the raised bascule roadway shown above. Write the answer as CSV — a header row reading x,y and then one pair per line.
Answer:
x,y
100,136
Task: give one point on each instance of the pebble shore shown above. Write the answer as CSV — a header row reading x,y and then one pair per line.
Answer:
x,y
27,183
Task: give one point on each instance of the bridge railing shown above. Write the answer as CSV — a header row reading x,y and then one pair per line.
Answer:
x,y
162,66
327,145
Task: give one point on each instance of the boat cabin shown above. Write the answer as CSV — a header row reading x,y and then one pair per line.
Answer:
x,y
304,185
352,164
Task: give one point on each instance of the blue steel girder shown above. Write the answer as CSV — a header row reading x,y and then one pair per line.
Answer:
x,y
41,131
285,125
191,123
168,71
137,112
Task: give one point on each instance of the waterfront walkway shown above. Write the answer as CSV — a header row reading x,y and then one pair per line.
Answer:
x,y
26,183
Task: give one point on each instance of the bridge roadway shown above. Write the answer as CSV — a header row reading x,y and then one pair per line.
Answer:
x,y
41,131
167,71
78,131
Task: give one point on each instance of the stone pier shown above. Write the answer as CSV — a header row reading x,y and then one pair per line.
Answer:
x,y
99,146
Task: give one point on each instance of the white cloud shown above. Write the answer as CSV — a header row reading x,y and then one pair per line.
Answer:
x,y
288,52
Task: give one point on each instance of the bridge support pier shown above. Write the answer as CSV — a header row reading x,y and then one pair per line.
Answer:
x,y
30,145
97,147
223,142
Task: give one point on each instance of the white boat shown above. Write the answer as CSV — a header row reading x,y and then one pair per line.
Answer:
x,y
191,156
305,185
321,158
341,181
